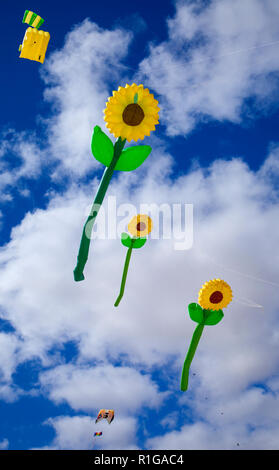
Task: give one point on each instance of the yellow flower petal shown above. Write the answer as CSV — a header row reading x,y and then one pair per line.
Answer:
x,y
215,295
139,122
140,225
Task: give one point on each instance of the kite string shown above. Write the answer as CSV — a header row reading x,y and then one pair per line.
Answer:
x,y
264,281
215,57
236,52
246,302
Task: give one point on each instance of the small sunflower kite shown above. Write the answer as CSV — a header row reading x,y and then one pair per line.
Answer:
x,y
130,114
139,227
213,296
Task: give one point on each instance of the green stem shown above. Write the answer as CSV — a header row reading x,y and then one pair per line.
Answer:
x,y
190,354
87,229
124,275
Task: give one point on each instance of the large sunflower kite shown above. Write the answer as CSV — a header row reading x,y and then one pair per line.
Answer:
x,y
131,114
213,296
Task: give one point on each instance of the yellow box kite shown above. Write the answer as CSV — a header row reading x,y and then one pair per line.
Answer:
x,y
34,45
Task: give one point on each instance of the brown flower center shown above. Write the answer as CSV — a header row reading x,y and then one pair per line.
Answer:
x,y
216,297
141,226
133,114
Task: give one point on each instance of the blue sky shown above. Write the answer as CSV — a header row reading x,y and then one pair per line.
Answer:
x,y
65,351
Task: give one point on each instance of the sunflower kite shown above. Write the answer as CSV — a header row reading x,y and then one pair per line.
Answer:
x,y
139,227
130,114
213,296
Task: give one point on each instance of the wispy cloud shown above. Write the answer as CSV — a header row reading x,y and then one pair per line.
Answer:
x,y
77,82
102,386
21,160
218,55
4,444
77,433
249,420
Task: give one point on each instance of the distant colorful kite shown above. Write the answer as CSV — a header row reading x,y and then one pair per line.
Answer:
x,y
213,296
35,42
98,433
130,114
139,227
105,414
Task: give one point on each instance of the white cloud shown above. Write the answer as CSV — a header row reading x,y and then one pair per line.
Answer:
x,y
4,444
170,420
217,56
77,88
249,420
9,353
77,433
103,386
27,160
8,348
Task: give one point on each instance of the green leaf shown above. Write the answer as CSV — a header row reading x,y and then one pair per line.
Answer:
x,y
196,312
101,146
139,242
126,239
132,157
212,317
